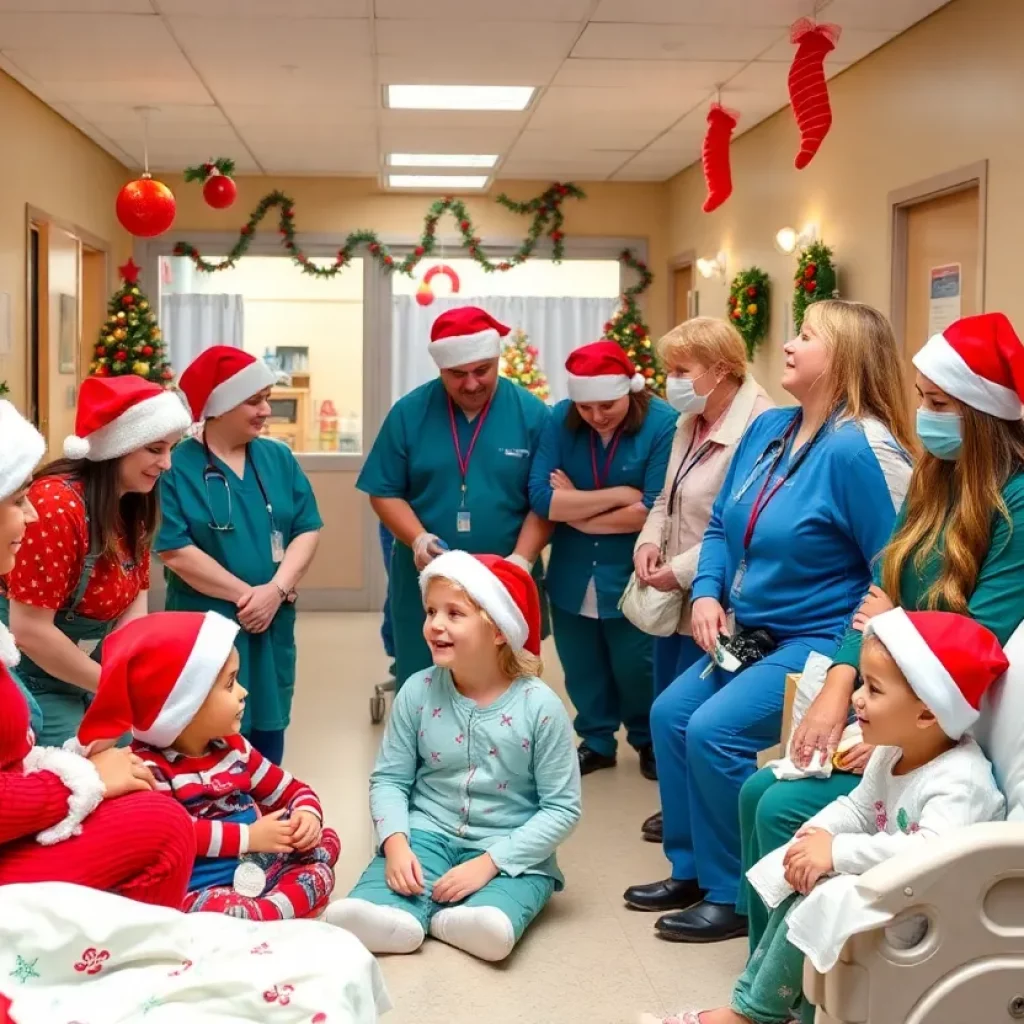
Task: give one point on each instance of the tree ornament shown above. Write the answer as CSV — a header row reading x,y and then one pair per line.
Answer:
x,y
516,363
220,191
145,207
424,294
808,90
715,155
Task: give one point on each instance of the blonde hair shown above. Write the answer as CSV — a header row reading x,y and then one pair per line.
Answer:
x,y
866,374
708,340
511,664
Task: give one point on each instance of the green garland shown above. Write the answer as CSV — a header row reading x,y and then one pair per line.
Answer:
x,y
222,165
815,279
546,210
749,306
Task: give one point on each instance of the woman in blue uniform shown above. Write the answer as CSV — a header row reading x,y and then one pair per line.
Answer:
x,y
240,528
600,467
450,469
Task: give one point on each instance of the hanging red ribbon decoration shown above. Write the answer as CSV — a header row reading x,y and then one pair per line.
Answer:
x,y
715,155
808,90
425,294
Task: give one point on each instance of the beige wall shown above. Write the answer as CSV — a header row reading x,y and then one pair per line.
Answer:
x,y
50,165
945,94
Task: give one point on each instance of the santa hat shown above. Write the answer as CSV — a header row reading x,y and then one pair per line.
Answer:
x,y
602,372
118,415
156,673
502,589
21,448
949,661
221,378
465,335
980,361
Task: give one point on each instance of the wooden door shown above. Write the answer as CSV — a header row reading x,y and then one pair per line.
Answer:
x,y
682,293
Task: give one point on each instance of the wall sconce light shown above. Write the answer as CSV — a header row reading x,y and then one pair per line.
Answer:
x,y
788,240
712,268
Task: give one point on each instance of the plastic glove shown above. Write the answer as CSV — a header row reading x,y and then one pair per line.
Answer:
x,y
425,548
520,561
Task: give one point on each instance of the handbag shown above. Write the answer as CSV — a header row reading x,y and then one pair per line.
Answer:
x,y
655,612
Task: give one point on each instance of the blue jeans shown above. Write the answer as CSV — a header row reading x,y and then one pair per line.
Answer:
x,y
673,655
387,636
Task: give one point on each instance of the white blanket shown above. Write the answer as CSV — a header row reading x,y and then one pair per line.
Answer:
x,y
73,954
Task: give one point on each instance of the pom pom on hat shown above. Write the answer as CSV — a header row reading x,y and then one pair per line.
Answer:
x,y
465,335
221,378
602,372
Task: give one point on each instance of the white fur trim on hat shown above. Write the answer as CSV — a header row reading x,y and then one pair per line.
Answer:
x,y
9,653
927,676
21,448
231,393
470,348
604,388
946,368
79,775
485,588
208,656
147,421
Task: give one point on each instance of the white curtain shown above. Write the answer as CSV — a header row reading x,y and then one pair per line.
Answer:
x,y
554,325
194,322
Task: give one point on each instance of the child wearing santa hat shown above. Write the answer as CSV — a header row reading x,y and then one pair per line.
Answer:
x,y
172,679
924,676
63,817
477,783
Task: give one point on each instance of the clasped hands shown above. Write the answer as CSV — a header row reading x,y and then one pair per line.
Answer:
x,y
273,834
404,873
258,606
809,859
651,571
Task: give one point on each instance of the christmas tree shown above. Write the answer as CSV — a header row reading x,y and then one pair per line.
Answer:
x,y
130,341
628,330
519,363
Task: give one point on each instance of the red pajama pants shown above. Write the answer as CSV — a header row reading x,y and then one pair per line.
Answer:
x,y
141,846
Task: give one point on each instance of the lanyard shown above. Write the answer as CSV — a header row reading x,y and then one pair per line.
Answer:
x,y
684,467
463,460
259,483
601,479
765,495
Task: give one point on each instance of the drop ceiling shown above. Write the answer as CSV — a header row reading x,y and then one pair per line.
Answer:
x,y
296,86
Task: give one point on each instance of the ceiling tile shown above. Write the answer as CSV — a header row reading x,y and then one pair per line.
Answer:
x,y
302,116
144,90
880,15
755,13
486,10
351,85
89,130
649,110
275,41
104,35
167,113
446,140
242,9
674,42
658,75
683,137
594,165
656,166
432,68
556,144
430,120
55,68
503,40
175,154
354,154
853,44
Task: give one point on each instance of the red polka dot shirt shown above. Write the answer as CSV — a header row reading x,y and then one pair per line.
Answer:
x,y
52,557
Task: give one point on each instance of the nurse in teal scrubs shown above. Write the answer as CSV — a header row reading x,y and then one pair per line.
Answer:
x,y
240,528
601,465
450,469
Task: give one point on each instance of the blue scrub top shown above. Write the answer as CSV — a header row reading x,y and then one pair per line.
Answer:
x,y
413,458
641,461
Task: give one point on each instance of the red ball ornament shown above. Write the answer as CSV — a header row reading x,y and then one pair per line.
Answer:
x,y
121,356
102,371
419,250
424,295
810,270
128,300
751,292
145,207
101,350
810,285
219,191
147,350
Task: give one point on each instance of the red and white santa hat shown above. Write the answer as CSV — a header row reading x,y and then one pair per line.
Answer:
x,y
465,335
118,415
221,378
601,372
502,589
980,361
156,673
949,661
21,448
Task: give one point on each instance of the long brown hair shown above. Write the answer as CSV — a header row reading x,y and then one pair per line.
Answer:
x,y
866,374
133,516
962,497
639,402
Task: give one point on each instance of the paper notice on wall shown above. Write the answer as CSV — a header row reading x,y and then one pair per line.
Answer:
x,y
943,297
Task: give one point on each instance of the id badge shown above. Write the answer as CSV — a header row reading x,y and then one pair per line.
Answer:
x,y
276,546
737,582
463,522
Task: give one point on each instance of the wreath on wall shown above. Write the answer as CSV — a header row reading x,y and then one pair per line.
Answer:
x,y
815,280
749,306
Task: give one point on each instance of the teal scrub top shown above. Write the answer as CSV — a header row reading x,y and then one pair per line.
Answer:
x,y
189,512
640,461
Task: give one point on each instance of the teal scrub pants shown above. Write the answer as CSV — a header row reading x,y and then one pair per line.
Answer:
x,y
608,665
519,899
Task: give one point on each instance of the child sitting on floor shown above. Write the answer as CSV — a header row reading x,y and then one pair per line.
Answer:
x,y
477,781
171,678
924,674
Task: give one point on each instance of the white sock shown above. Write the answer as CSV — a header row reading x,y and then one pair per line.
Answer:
x,y
379,929
483,932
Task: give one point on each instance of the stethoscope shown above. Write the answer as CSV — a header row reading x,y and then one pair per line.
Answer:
x,y
212,472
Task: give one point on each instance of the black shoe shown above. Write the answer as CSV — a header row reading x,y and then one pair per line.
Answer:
x,y
592,761
651,829
670,894
648,767
706,922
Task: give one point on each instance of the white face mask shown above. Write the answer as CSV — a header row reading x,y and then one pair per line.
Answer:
x,y
682,396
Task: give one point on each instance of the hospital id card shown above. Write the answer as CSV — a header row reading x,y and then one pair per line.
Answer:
x,y
276,546
463,521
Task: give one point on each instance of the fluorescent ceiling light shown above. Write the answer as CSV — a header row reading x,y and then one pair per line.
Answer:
x,y
441,160
458,97
439,181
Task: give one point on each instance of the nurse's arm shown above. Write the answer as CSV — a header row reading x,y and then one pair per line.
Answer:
x,y
630,519
50,649
397,515
296,561
533,537
569,506
205,574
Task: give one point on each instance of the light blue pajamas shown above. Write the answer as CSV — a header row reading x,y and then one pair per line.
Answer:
x,y
807,567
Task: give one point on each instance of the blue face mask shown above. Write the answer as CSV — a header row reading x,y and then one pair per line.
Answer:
x,y
940,433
